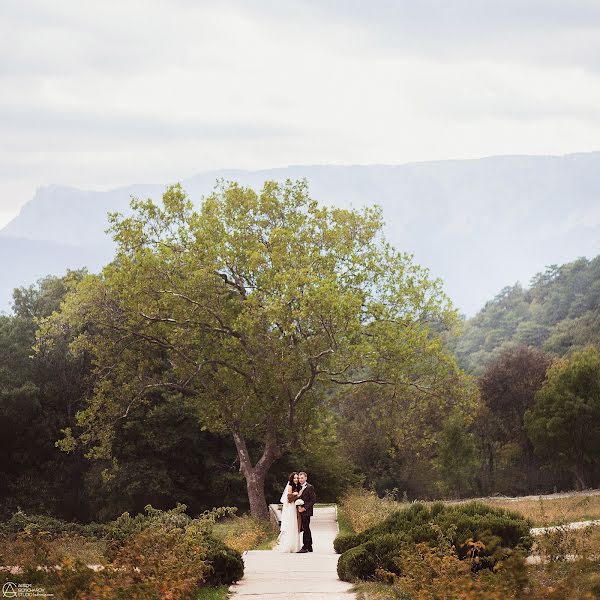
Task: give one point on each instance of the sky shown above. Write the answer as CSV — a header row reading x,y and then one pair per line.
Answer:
x,y
103,94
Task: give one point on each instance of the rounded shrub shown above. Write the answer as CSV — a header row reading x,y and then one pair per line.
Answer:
x,y
344,542
473,530
357,563
227,564
362,561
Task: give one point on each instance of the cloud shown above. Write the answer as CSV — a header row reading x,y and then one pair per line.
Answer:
x,y
158,90
65,129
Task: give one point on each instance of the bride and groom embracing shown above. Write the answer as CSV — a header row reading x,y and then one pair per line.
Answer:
x,y
298,499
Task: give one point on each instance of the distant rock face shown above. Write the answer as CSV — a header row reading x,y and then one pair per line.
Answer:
x,y
478,224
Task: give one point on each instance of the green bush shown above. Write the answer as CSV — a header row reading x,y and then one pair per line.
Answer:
x,y
227,563
344,541
21,521
362,561
224,564
474,530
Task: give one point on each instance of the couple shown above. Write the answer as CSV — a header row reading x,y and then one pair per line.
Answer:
x,y
298,499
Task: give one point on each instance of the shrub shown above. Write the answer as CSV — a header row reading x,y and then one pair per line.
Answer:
x,y
226,563
160,554
344,542
361,562
20,521
438,573
474,530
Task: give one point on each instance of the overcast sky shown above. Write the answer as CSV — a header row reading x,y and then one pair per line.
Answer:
x,y
99,94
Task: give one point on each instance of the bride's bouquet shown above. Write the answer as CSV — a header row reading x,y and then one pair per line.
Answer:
x,y
299,502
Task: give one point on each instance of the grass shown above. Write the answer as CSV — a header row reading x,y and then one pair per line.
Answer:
x,y
246,533
343,522
553,511
561,543
559,581
372,591
269,542
216,593
364,509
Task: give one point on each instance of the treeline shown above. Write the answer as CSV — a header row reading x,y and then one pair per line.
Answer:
x,y
560,311
163,454
533,354
534,426
537,430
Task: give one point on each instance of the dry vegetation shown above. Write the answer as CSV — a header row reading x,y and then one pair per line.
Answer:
x,y
363,508
245,533
568,565
553,511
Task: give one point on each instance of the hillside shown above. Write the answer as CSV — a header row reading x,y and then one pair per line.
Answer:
x,y
474,223
559,311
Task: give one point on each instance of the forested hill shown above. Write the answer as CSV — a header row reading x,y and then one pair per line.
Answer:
x,y
558,311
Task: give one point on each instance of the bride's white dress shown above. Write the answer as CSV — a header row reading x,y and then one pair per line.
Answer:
x,y
289,539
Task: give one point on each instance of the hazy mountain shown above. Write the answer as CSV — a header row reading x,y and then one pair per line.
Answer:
x,y
478,224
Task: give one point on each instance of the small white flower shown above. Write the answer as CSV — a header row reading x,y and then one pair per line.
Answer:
x,y
299,502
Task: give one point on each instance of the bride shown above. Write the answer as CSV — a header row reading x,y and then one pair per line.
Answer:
x,y
289,538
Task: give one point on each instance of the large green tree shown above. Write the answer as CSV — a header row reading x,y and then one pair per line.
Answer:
x,y
564,423
251,308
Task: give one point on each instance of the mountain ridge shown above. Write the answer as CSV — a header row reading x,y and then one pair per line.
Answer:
x,y
477,223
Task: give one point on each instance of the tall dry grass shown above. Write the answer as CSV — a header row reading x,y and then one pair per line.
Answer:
x,y
245,533
362,509
553,511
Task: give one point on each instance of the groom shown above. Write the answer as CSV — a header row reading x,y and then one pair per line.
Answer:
x,y
306,511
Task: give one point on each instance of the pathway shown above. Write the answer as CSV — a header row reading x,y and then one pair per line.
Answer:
x,y
311,576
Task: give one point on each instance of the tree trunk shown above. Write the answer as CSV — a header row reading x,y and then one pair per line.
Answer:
x,y
255,485
579,472
255,475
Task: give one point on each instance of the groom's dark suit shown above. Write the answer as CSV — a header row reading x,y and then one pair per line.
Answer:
x,y
309,497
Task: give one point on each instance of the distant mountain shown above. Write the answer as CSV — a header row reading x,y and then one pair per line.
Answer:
x,y
475,223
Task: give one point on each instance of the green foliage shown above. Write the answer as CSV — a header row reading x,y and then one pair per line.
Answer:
x,y
20,521
564,423
557,313
362,562
320,454
344,541
38,397
251,308
457,460
498,533
393,435
508,387
227,564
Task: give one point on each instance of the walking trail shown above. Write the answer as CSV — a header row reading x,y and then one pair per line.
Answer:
x,y
311,576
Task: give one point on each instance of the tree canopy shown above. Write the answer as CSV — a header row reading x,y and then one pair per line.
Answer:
x,y
251,309
560,311
564,423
